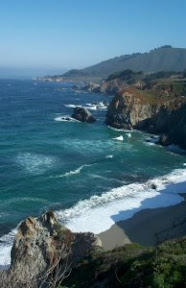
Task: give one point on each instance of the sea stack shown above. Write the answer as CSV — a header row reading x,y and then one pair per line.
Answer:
x,y
83,115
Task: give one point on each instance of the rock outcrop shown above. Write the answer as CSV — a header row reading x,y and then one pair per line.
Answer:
x,y
44,251
83,115
164,115
92,87
119,81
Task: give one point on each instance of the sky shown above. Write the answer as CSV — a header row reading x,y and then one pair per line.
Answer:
x,y
57,35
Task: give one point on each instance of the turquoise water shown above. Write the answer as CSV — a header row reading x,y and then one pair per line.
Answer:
x,y
46,163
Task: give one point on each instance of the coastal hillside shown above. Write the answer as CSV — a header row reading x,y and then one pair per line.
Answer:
x,y
153,105
165,58
46,254
173,83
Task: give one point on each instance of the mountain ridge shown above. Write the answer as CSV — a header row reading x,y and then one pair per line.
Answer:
x,y
165,58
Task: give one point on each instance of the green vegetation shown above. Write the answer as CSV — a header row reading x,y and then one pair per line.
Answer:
x,y
127,75
164,58
156,86
133,266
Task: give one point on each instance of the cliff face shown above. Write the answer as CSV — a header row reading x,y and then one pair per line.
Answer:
x,y
118,81
44,252
132,108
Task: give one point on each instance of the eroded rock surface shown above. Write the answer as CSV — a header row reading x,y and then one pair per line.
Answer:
x,y
44,251
132,108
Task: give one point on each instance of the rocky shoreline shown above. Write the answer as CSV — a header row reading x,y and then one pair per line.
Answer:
x,y
131,109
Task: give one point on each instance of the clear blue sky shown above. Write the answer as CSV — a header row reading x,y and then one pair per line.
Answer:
x,y
77,33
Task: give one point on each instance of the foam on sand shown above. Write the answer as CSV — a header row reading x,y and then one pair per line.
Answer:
x,y
99,213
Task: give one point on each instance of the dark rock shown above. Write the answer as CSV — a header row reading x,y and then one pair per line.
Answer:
x,y
83,115
154,186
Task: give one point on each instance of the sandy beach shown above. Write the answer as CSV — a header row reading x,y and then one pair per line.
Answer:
x,y
148,227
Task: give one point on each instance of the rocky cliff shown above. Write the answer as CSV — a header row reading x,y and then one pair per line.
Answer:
x,y
44,252
169,81
151,111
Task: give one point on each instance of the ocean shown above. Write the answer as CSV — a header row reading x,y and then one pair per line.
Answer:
x,y
91,175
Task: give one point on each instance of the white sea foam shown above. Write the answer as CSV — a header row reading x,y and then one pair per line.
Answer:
x,y
150,143
70,105
152,140
98,213
6,243
90,106
65,118
119,138
73,172
129,135
35,163
109,156
123,130
184,164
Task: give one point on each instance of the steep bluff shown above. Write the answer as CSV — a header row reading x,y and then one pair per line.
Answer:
x,y
151,112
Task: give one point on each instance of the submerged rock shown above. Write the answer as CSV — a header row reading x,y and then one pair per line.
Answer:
x,y
83,115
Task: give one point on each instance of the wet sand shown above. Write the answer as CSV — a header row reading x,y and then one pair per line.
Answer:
x,y
148,227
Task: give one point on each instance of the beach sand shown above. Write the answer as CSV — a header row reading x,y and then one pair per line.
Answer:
x,y
148,227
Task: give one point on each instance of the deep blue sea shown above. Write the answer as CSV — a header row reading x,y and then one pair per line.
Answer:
x,y
84,172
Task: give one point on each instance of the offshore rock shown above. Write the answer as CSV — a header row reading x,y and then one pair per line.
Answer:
x,y
44,252
83,115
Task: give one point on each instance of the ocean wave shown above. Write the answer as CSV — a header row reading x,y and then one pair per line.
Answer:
x,y
70,105
35,163
109,156
93,108
99,213
6,242
129,135
96,213
100,106
73,172
65,118
119,138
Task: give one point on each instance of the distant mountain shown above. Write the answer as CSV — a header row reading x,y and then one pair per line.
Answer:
x,y
165,58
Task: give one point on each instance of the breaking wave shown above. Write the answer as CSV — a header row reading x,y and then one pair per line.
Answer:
x,y
73,172
96,213
99,213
